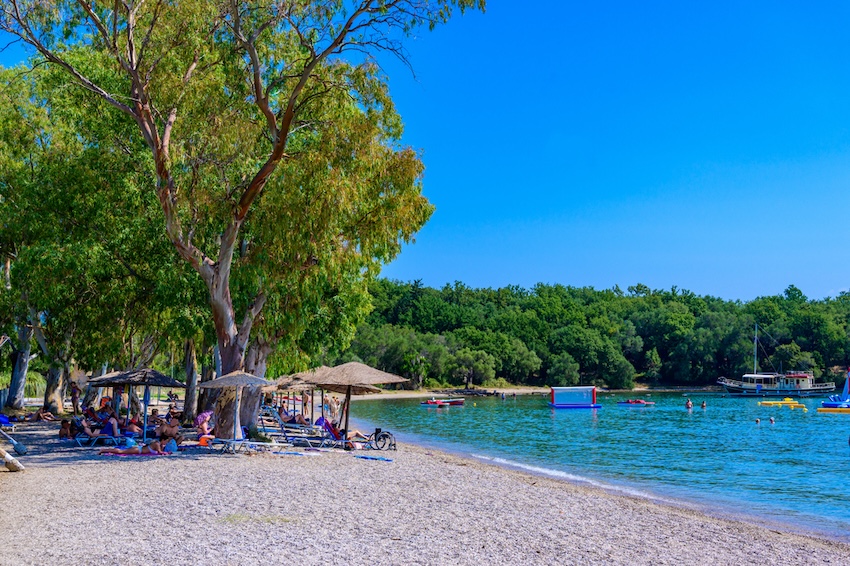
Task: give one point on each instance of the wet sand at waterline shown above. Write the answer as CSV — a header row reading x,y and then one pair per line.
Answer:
x,y
424,507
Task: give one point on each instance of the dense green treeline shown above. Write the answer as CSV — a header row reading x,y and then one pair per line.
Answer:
x,y
559,335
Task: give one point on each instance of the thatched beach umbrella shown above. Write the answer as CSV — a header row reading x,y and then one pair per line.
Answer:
x,y
237,379
136,377
351,377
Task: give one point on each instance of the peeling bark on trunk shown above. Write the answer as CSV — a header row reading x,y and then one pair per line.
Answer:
x,y
21,364
251,397
92,394
190,405
54,393
249,405
224,413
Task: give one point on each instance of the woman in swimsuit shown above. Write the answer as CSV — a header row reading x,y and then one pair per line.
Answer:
x,y
153,447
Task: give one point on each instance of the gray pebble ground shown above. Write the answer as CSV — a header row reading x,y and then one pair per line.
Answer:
x,y
72,506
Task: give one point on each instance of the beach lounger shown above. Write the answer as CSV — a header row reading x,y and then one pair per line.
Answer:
x,y
297,435
6,424
86,441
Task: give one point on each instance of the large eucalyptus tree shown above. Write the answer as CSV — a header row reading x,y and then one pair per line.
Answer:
x,y
231,96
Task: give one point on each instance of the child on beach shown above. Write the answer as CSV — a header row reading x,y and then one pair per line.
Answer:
x,y
65,429
202,425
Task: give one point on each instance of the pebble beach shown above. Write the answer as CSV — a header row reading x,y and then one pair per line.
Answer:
x,y
72,506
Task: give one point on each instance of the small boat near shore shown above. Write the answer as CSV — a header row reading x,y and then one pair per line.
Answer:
x,y
795,384
450,402
756,384
635,403
841,402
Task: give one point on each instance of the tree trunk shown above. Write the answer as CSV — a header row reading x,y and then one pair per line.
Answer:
x,y
190,405
54,393
135,407
224,413
232,339
92,394
21,361
232,359
206,399
251,397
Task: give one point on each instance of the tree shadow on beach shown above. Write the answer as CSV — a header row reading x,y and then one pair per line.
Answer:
x,y
46,450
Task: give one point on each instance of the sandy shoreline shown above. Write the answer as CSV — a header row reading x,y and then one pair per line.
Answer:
x,y
423,507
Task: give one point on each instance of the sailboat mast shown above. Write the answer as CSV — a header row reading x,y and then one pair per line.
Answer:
x,y
755,348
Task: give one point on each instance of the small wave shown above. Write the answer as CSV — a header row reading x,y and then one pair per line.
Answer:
x,y
583,480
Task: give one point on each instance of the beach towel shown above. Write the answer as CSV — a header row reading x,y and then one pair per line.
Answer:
x,y
135,455
379,458
293,453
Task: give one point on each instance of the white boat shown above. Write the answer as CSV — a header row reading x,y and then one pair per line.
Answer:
x,y
795,384
792,384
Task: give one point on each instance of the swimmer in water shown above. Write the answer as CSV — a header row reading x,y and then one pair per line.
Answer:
x,y
703,405
758,421
771,420
689,404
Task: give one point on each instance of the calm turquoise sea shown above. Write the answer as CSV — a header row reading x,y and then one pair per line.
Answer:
x,y
793,472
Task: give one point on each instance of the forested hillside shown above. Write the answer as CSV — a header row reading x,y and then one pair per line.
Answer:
x,y
557,335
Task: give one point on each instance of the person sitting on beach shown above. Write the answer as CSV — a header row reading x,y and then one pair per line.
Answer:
x,y
288,418
173,412
111,427
65,429
152,447
156,418
169,429
202,425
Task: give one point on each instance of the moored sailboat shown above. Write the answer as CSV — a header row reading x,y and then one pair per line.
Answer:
x,y
758,384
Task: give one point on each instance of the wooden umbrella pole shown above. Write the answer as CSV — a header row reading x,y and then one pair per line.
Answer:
x,y
236,417
347,413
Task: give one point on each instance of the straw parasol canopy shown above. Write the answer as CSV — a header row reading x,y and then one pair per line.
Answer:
x,y
354,373
352,378
238,380
134,377
235,379
361,389
288,383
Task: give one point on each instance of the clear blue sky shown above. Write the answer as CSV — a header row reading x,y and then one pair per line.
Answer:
x,y
615,143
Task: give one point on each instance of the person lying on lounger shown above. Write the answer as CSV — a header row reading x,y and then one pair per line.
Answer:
x,y
88,431
152,447
289,418
352,434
